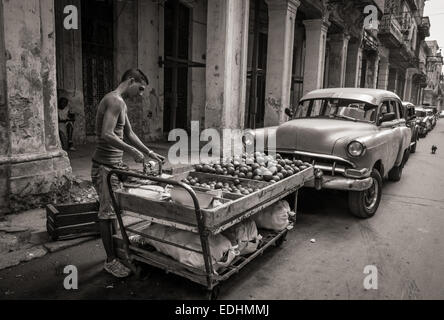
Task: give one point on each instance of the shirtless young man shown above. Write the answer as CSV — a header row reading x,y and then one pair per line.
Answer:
x,y
112,126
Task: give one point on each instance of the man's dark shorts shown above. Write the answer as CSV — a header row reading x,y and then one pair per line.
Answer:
x,y
99,173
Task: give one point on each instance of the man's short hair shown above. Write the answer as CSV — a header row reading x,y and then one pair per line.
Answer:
x,y
136,74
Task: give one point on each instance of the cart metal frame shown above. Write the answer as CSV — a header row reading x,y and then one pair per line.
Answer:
x,y
208,278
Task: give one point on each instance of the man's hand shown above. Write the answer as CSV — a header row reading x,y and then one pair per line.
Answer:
x,y
137,155
156,156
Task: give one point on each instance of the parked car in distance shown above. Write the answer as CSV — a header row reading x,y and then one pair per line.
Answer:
x,y
431,117
441,115
434,112
431,113
410,118
423,120
354,137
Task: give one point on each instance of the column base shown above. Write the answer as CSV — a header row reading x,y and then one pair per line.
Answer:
x,y
33,181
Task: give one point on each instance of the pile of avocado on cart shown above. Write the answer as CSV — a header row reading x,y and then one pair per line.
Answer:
x,y
205,201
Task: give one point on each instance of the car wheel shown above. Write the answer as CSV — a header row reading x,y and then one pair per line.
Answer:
x,y
396,172
363,204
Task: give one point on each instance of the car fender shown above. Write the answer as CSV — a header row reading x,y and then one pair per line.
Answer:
x,y
406,138
377,149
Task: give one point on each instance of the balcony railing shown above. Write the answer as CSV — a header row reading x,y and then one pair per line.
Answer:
x,y
424,27
391,29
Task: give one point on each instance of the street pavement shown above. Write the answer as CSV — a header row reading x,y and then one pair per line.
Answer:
x,y
404,240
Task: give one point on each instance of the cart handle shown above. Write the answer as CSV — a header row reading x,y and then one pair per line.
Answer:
x,y
199,216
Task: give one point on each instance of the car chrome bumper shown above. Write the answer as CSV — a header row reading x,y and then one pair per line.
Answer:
x,y
340,183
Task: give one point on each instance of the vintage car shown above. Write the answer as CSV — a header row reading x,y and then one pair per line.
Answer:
x,y
441,115
432,113
354,137
410,118
424,121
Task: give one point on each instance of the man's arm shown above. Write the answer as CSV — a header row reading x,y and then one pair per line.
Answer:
x,y
112,113
134,140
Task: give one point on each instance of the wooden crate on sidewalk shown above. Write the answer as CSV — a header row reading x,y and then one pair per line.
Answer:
x,y
70,221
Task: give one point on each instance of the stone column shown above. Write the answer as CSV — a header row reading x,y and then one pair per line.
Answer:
x,y
316,35
383,74
199,47
4,125
281,24
338,60
376,72
354,64
33,162
226,67
393,80
150,48
408,85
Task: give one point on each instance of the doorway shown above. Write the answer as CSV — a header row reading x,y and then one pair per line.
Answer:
x,y
364,73
97,56
257,66
176,64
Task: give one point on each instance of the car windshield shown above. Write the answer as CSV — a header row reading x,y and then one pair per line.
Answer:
x,y
420,113
334,108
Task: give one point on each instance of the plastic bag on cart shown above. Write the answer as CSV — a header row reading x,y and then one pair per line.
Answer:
x,y
222,251
274,217
245,236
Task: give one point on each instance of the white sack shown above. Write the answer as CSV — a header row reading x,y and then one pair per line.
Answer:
x,y
274,217
222,251
245,236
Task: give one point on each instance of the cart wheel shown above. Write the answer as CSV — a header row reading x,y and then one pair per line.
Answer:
x,y
213,294
281,240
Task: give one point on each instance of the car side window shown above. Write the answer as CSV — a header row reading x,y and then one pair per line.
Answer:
x,y
394,108
402,111
385,108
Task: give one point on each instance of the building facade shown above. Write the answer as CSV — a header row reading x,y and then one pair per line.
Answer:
x,y
224,63
432,93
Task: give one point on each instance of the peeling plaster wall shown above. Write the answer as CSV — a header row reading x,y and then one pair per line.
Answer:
x,y
23,44
4,124
48,74
34,166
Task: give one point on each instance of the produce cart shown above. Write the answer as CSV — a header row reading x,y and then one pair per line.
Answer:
x,y
231,210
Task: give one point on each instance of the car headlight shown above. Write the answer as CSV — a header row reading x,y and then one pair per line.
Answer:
x,y
355,149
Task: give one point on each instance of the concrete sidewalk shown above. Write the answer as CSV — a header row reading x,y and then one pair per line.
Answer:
x,y
23,235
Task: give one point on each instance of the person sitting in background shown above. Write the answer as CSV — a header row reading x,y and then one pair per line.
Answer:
x,y
66,124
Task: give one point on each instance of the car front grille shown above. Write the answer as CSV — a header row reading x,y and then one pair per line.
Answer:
x,y
330,165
